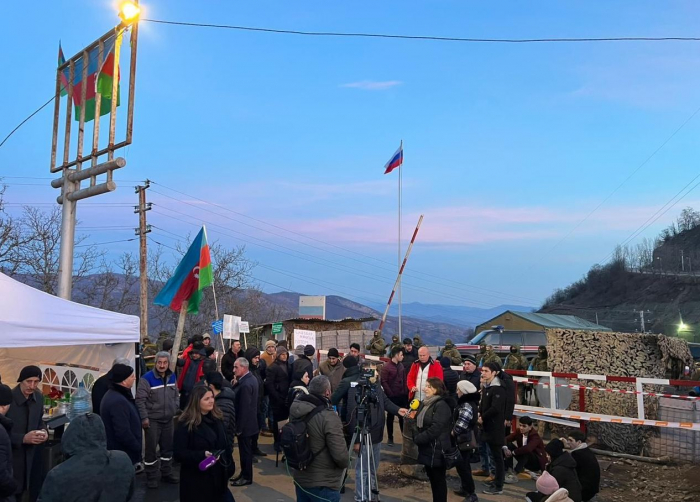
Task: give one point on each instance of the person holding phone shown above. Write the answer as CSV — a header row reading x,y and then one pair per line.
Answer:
x,y
200,434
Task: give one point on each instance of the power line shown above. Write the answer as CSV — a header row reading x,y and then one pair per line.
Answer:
x,y
103,243
25,120
425,37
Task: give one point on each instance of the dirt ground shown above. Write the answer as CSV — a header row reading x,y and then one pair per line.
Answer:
x,y
632,481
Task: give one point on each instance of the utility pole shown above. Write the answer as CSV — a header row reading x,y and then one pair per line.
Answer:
x,y
143,254
641,320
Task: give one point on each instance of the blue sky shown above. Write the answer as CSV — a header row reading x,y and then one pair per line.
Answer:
x,y
507,147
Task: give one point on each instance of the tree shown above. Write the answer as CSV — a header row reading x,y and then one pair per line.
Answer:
x,y
11,238
688,220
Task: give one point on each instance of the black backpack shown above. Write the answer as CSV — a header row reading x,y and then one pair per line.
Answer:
x,y
294,438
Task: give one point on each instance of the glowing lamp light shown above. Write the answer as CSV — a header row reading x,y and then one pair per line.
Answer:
x,y
682,327
129,11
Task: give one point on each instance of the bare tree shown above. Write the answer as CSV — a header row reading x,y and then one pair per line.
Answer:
x,y
688,220
11,238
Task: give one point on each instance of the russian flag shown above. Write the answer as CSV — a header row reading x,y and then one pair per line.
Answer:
x,y
395,161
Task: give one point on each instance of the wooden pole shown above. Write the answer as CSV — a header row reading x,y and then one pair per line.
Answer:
x,y
178,335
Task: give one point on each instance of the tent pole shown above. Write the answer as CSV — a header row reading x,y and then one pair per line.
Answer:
x,y
178,336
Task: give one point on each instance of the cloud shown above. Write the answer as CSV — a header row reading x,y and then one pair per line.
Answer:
x,y
371,85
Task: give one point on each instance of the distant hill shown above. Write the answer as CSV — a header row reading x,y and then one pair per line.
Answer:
x,y
649,277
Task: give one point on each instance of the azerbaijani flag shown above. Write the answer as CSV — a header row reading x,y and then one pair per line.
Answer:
x,y
64,75
395,161
99,79
192,275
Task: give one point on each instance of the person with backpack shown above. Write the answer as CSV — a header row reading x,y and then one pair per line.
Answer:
x,y
464,432
316,453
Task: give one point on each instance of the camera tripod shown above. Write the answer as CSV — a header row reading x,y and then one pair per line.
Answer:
x,y
367,485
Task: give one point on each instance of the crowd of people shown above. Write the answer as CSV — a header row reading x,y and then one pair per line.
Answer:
x,y
197,415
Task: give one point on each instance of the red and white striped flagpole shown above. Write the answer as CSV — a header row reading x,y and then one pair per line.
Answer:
x,y
403,266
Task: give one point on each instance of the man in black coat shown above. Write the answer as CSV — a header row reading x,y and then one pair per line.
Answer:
x,y
258,369
101,386
246,390
449,376
587,467
277,387
410,354
233,353
120,414
471,371
28,433
8,485
304,362
492,410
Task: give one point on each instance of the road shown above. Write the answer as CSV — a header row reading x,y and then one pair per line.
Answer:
x,y
273,484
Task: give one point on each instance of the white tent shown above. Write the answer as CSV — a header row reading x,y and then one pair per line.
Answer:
x,y
42,329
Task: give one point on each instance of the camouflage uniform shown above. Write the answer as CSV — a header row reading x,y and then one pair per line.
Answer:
x,y
417,342
149,349
451,351
480,356
395,342
516,361
491,357
377,347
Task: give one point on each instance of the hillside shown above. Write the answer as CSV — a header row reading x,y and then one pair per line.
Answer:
x,y
653,280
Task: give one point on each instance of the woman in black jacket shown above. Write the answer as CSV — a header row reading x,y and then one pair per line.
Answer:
x,y
199,434
277,388
434,421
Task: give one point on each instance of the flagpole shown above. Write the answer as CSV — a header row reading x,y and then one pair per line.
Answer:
x,y
178,336
399,243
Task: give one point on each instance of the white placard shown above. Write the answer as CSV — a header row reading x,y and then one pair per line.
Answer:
x,y
304,337
232,327
244,327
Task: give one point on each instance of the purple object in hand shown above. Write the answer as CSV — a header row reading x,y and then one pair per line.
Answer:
x,y
209,461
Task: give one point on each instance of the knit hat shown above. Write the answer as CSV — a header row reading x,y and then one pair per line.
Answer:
x,y
214,378
445,362
282,343
198,348
349,361
470,358
29,372
5,395
282,350
209,350
206,335
270,343
251,352
333,352
120,372
309,350
407,341
299,350
547,484
466,387
555,448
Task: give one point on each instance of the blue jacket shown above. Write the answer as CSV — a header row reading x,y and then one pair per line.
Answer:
x,y
122,422
157,398
247,406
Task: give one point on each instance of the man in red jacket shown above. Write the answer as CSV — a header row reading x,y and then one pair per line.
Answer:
x,y
421,370
527,447
393,380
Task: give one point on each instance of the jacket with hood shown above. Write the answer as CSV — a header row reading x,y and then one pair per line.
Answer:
x,y
121,421
326,441
277,387
157,398
8,485
534,445
432,369
492,409
409,358
449,376
561,495
226,402
563,468
434,437
588,471
303,363
90,472
515,360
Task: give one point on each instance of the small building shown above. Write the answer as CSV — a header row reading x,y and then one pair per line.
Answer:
x,y
338,333
533,321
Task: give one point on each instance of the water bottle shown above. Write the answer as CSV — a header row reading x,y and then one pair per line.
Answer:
x,y
80,403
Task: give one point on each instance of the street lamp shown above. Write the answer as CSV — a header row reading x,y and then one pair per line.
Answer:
x,y
129,11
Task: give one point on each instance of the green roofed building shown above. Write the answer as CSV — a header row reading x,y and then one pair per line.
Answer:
x,y
533,321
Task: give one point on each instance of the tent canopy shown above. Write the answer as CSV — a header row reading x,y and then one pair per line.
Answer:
x,y
32,318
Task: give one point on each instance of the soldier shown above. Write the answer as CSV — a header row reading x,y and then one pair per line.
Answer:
x,y
490,356
451,351
417,342
377,346
148,353
480,356
395,342
516,361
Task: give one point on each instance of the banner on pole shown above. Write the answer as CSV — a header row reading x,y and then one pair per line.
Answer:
x,y
244,327
232,327
218,327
